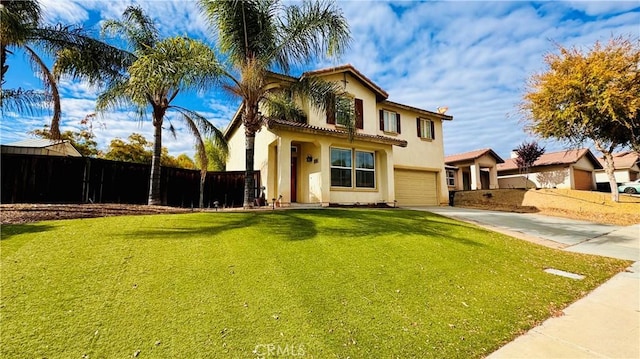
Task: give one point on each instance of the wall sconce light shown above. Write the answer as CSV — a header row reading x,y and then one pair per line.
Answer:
x,y
309,158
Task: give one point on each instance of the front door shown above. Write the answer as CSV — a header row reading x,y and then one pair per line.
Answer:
x,y
294,178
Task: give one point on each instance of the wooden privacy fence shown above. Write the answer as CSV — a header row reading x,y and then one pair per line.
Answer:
x,y
49,179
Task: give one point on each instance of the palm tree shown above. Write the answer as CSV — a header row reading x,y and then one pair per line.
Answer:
x,y
160,70
260,36
21,28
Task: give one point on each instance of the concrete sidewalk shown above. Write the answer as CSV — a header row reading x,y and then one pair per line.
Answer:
x,y
603,324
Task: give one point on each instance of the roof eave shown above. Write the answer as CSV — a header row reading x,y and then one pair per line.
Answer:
x,y
334,133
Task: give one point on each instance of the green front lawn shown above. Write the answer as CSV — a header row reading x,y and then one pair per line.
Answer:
x,y
299,283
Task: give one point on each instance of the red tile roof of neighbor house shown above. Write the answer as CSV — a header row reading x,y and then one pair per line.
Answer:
x,y
274,123
472,155
567,157
623,160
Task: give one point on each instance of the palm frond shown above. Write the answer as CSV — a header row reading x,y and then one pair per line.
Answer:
x,y
116,96
17,18
204,127
316,28
50,83
322,94
138,29
174,64
246,29
280,105
81,56
29,102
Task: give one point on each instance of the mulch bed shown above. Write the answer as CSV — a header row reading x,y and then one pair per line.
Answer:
x,y
25,213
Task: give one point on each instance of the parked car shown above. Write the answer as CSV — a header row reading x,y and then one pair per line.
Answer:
x,y
630,187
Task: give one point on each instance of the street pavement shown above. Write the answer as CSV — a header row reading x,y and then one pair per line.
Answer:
x,y
603,324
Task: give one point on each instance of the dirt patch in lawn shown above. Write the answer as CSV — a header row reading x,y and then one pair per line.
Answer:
x,y
24,213
583,205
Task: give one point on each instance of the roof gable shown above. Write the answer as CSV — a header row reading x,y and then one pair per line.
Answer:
x,y
567,157
381,94
622,160
472,155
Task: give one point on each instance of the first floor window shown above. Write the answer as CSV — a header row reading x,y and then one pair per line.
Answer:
x,y
365,169
341,167
343,171
451,178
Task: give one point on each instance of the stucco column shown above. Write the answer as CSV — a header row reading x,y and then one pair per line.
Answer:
x,y
459,185
325,173
284,171
475,177
493,177
390,179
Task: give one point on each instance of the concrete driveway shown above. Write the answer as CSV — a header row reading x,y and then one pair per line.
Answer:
x,y
603,324
568,234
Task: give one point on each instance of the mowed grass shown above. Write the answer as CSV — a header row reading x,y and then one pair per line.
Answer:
x,y
298,283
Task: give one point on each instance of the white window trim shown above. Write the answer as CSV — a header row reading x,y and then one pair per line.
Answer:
x,y
353,169
452,178
425,128
389,121
356,169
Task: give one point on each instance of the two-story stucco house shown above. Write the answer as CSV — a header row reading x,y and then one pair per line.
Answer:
x,y
396,155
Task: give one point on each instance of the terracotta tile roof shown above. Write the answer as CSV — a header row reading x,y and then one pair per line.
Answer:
x,y
567,157
472,155
273,123
623,160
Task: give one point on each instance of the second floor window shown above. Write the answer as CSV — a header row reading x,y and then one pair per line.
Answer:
x,y
344,109
389,121
426,129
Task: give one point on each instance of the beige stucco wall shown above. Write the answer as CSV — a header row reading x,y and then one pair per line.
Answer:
x,y
621,175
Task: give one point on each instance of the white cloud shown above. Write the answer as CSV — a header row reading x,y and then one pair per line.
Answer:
x,y
63,11
472,56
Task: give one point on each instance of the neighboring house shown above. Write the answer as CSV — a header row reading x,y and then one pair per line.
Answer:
x,y
396,154
572,169
473,170
627,167
41,147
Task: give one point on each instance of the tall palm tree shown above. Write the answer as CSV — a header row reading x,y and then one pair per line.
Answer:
x,y
21,28
259,36
160,70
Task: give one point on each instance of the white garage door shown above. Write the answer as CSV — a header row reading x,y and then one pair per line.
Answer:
x,y
415,188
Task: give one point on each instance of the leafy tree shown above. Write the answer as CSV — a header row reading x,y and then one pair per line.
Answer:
x,y
184,161
259,36
159,71
137,149
82,140
589,95
21,28
528,154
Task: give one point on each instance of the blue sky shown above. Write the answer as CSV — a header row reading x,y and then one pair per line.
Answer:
x,y
471,56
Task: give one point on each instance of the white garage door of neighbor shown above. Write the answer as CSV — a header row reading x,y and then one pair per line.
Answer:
x,y
415,188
